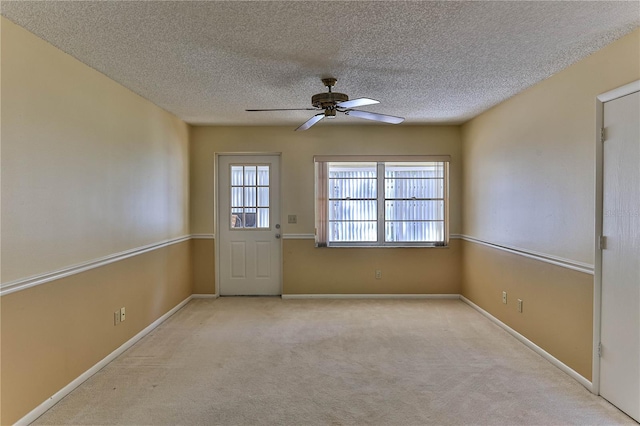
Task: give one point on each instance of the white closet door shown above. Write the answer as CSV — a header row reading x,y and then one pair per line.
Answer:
x,y
620,317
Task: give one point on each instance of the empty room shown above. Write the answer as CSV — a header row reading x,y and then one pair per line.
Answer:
x,y
319,212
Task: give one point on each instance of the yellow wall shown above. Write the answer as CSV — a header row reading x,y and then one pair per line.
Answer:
x,y
88,169
529,183
308,270
297,177
54,332
557,312
298,149
529,163
203,265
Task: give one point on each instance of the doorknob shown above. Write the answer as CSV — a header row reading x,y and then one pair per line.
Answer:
x,y
278,236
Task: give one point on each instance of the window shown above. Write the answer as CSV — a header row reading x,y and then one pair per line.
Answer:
x,y
392,201
249,196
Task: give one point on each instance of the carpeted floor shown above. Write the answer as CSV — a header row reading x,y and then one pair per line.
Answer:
x,y
267,361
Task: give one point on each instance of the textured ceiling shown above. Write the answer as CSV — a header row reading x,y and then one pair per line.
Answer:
x,y
431,62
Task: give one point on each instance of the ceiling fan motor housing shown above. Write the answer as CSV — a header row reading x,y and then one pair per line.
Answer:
x,y
328,100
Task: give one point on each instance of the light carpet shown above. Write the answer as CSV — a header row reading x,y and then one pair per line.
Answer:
x,y
268,361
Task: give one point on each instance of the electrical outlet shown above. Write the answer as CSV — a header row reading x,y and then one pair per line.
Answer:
x,y
116,317
520,305
122,314
504,297
378,274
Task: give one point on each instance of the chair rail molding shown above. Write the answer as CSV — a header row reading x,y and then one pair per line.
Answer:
x,y
24,283
587,268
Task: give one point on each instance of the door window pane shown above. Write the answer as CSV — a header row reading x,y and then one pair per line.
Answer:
x,y
236,197
249,218
237,175
263,175
250,175
250,196
263,218
263,197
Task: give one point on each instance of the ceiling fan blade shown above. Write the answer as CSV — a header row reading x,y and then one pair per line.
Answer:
x,y
375,117
310,122
354,103
283,109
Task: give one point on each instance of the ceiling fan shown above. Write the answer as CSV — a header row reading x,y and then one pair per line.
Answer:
x,y
331,102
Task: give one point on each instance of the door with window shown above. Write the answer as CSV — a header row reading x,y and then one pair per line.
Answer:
x,y
249,248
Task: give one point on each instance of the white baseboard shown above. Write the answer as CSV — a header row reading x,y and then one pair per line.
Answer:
x,y
42,408
204,296
553,360
370,296
53,400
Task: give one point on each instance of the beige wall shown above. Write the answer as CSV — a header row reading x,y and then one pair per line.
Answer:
x,y
203,266
529,163
308,270
298,149
557,312
54,332
529,183
297,177
88,169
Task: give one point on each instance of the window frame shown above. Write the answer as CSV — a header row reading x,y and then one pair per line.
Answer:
x,y
322,199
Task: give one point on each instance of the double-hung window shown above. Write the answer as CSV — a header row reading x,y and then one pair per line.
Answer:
x,y
381,201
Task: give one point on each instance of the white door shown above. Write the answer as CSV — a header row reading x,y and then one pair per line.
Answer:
x,y
620,318
249,225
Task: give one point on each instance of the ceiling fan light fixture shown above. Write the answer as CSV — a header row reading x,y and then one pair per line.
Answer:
x,y
330,113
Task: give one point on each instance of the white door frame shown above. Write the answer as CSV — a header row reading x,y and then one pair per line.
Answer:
x,y
627,89
216,216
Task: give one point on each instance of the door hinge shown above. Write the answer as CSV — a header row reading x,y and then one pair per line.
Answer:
x,y
603,242
600,350
602,134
